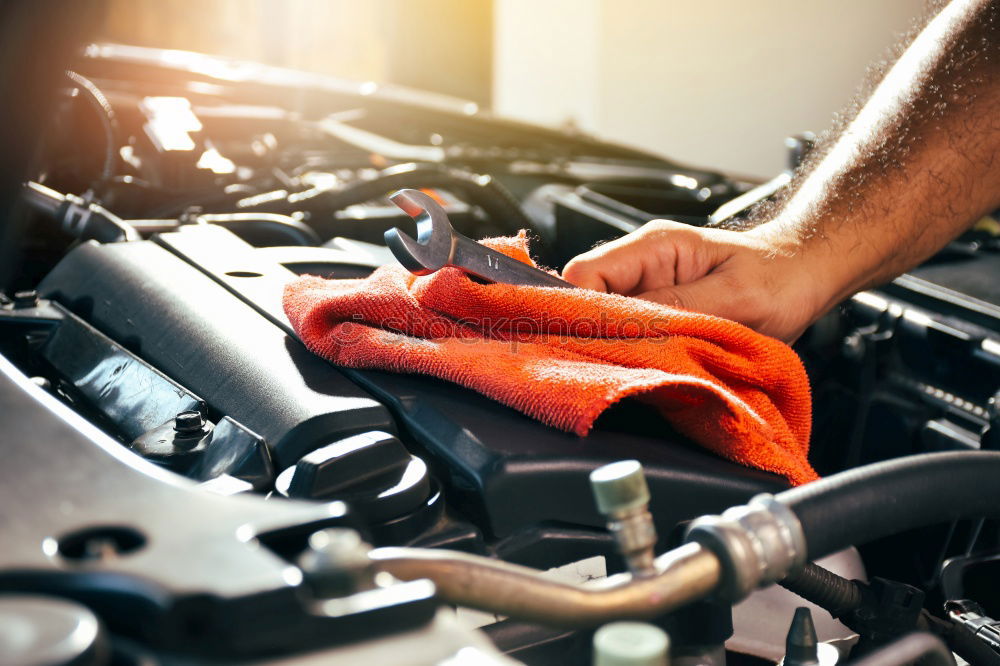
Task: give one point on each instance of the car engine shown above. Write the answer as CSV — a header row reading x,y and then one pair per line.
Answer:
x,y
184,482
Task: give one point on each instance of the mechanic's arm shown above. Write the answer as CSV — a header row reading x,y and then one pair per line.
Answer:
x,y
917,164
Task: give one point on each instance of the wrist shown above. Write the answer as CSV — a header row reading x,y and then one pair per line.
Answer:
x,y
814,271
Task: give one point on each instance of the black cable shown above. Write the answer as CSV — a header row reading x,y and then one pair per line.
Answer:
x,y
840,596
106,115
481,190
78,217
831,592
885,498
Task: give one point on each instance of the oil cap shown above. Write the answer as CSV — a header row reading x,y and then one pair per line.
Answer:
x,y
373,472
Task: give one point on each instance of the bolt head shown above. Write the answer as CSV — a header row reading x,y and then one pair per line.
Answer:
x,y
340,547
189,423
336,562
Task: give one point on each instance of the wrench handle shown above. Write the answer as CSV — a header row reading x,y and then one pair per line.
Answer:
x,y
493,266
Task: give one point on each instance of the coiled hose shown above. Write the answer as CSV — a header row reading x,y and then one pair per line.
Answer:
x,y
503,209
824,588
106,114
859,505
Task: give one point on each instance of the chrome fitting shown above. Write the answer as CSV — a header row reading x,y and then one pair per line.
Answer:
x,y
757,544
622,496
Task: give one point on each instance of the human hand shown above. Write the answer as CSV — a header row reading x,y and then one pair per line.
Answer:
x,y
761,278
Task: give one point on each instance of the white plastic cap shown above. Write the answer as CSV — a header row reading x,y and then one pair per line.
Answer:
x,y
631,644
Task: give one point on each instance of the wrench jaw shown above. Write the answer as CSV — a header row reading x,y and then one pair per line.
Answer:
x,y
434,246
406,250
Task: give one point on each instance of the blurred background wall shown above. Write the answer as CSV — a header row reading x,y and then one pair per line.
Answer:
x,y
440,45
717,84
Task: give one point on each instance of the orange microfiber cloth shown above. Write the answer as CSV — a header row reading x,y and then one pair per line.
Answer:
x,y
563,356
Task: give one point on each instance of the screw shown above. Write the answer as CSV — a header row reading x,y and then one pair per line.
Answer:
x,y
189,423
25,299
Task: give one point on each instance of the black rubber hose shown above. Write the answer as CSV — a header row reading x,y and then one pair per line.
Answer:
x,y
265,227
79,217
484,191
885,498
831,592
106,114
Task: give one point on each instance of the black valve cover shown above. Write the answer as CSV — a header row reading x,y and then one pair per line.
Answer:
x,y
232,346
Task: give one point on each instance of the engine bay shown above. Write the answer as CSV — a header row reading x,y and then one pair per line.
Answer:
x,y
181,469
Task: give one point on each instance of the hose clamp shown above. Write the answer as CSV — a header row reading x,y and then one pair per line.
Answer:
x,y
757,544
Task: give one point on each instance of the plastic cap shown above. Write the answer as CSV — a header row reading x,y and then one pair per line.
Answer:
x,y
630,644
619,486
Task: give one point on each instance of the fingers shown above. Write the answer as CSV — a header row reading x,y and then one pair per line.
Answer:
x,y
722,295
712,294
739,276
616,266
584,271
661,253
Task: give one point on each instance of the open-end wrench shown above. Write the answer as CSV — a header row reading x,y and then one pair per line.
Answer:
x,y
439,245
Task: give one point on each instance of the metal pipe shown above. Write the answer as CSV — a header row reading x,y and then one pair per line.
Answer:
x,y
682,575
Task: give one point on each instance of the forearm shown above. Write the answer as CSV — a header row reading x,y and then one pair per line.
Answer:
x,y
914,166
917,164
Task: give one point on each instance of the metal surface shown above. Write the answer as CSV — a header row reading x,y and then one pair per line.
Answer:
x,y
44,631
439,245
157,558
682,575
757,544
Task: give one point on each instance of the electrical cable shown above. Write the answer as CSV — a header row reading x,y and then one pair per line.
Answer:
x,y
831,592
503,209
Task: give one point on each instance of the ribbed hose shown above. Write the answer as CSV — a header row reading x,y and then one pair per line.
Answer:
x,y
859,505
484,191
106,114
824,588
